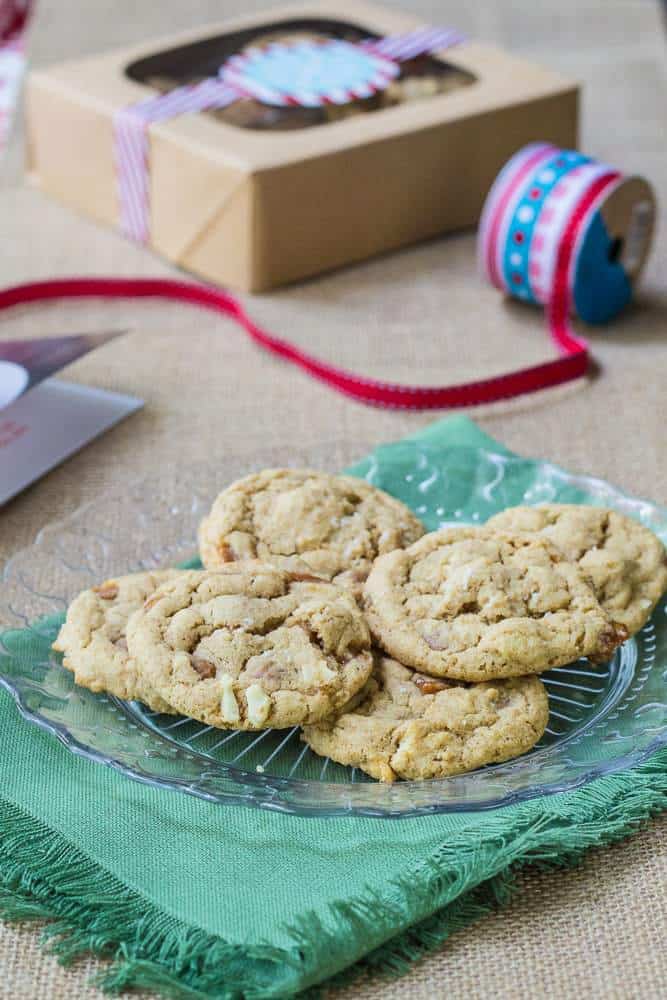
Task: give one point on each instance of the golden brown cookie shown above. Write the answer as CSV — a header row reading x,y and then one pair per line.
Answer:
x,y
624,560
408,725
473,604
249,646
93,638
306,522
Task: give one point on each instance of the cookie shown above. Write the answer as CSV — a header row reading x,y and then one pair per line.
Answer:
x,y
306,522
249,646
408,725
93,638
624,561
474,605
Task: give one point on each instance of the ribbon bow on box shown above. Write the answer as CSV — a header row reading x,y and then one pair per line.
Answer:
x,y
309,74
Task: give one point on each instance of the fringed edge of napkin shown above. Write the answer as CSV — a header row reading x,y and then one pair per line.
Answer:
x,y
43,877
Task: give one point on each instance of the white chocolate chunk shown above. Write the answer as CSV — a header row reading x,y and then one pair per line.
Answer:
x,y
259,704
315,672
182,666
229,708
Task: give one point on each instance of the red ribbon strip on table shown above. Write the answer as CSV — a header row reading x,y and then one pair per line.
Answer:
x,y
571,365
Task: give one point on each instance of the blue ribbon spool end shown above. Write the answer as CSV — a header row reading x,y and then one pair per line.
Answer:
x,y
613,252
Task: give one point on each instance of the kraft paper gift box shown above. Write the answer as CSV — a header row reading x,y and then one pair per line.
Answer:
x,y
253,197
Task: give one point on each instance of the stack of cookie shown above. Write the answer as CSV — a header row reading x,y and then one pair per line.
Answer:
x,y
323,604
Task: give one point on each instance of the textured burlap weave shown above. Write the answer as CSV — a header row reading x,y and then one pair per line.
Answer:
x,y
593,931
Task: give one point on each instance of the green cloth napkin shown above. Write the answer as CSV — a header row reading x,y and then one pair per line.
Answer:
x,y
194,900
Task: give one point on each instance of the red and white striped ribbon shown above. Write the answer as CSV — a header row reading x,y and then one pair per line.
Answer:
x,y
415,43
14,17
132,147
131,124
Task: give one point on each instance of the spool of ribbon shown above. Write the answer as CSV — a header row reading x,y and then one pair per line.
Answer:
x,y
309,74
561,230
558,229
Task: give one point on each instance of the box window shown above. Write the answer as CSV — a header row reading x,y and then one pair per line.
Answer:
x,y
419,79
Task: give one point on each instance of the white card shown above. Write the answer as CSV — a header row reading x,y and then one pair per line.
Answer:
x,y
47,424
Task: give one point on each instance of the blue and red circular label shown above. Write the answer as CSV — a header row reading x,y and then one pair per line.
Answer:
x,y
309,73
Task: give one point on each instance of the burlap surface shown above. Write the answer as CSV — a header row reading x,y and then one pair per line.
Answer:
x,y
422,313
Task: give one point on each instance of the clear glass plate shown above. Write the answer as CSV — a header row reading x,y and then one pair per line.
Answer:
x,y
602,718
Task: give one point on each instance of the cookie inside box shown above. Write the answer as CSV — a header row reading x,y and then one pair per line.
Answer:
x,y
419,79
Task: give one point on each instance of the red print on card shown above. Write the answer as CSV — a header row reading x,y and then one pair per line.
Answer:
x,y
11,431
